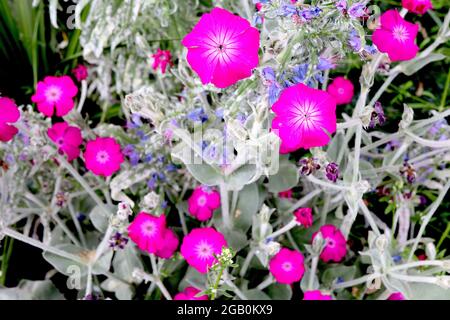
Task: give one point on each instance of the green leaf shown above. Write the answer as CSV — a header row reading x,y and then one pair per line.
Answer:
x,y
279,291
193,278
99,218
255,294
426,291
411,67
335,147
239,178
32,290
236,239
247,206
125,261
286,178
331,274
205,174
64,265
121,290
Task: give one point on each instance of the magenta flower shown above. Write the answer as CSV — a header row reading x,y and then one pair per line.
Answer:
x,y
190,294
396,37
342,90
286,194
222,48
9,113
55,92
203,202
200,246
304,217
80,72
335,245
161,59
103,156
67,138
417,6
316,295
287,266
169,244
396,296
148,232
305,117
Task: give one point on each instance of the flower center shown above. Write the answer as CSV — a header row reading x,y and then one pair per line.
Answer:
x,y
400,33
220,47
287,266
331,243
305,115
102,157
341,91
149,228
60,141
201,201
204,250
53,93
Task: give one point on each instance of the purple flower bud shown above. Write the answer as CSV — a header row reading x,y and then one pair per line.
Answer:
x,y
308,166
332,171
341,5
408,172
118,241
377,116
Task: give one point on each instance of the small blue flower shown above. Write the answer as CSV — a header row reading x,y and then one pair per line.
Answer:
x,y
309,14
134,158
300,72
9,159
257,20
212,152
142,136
319,77
151,184
219,113
325,64
268,240
162,176
241,117
198,115
174,122
371,49
24,137
270,81
171,167
136,119
288,10
397,258
164,204
161,158
354,40
148,158
204,144
81,217
357,10
128,150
